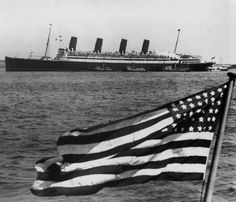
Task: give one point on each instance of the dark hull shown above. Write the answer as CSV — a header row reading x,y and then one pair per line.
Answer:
x,y
200,66
21,64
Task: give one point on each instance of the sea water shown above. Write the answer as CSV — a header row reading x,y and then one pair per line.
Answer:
x,y
37,107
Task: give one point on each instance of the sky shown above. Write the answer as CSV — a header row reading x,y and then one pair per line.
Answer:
x,y
208,27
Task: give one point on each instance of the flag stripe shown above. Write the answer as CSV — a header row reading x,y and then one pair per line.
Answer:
x,y
61,176
72,158
176,137
95,148
122,142
86,190
95,179
122,123
169,145
108,135
132,160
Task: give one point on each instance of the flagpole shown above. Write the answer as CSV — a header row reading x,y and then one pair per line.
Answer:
x,y
218,143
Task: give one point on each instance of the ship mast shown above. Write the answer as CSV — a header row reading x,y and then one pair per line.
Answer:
x,y
46,51
177,40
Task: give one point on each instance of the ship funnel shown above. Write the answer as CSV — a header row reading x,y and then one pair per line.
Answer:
x,y
72,44
145,46
98,46
123,45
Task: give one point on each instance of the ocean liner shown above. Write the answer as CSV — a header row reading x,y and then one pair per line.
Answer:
x,y
69,59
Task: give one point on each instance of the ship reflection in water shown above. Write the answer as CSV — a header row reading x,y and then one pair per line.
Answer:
x,y
71,60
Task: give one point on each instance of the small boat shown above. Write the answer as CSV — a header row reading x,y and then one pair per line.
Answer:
x,y
218,68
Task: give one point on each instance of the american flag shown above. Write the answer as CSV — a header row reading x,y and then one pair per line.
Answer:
x,y
171,142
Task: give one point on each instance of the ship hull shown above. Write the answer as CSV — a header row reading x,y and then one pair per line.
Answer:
x,y
200,66
22,64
